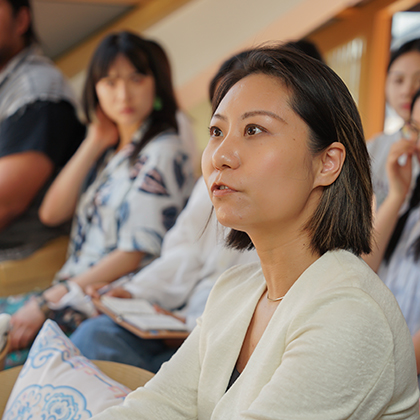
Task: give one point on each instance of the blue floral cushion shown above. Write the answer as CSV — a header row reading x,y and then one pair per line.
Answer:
x,y
57,383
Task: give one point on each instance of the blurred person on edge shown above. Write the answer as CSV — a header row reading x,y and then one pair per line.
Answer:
x,y
39,132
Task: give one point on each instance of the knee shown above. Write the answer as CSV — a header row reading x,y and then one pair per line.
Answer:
x,y
91,331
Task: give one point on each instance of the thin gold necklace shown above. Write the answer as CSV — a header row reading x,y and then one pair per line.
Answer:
x,y
274,300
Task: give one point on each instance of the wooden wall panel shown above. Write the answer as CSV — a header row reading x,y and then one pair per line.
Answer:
x,y
372,21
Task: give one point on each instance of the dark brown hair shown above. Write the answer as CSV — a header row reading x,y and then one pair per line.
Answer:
x,y
227,66
30,35
148,57
343,218
307,47
409,46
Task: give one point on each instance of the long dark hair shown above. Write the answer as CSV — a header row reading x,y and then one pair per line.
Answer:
x,y
149,58
343,218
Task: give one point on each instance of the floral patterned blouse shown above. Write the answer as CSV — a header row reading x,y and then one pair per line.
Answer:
x,y
130,206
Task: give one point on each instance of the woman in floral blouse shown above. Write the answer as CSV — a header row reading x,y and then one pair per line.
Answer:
x,y
133,172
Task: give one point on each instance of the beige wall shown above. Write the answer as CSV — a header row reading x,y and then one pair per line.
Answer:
x,y
201,34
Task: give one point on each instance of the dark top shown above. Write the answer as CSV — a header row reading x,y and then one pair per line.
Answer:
x,y
235,375
50,128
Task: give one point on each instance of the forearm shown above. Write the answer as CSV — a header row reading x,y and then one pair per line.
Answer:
x,y
171,394
383,227
61,199
19,183
112,267
9,212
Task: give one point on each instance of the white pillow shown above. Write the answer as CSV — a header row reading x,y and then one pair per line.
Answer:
x,y
56,382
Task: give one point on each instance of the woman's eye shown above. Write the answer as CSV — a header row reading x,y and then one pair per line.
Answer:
x,y
252,130
137,78
108,81
215,132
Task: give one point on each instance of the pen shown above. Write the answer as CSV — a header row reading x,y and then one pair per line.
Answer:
x,y
112,285
104,289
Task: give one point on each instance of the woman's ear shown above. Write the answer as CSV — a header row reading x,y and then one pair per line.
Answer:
x,y
331,161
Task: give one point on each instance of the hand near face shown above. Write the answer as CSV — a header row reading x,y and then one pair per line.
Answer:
x,y
25,325
103,131
399,167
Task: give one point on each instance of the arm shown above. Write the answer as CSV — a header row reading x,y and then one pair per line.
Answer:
x,y
29,319
61,199
33,142
113,266
19,182
170,394
387,215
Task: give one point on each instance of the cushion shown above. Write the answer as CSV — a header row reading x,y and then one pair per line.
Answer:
x,y
56,382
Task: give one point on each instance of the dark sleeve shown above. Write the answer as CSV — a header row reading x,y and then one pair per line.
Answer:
x,y
48,127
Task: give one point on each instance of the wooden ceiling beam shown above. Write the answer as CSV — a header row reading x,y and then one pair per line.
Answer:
x,y
99,2
401,5
138,20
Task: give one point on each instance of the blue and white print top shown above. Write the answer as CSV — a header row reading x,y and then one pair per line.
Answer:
x,y
130,206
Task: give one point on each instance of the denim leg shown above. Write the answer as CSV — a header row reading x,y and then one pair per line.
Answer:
x,y
100,338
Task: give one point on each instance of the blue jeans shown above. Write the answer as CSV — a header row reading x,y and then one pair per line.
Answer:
x,y
100,338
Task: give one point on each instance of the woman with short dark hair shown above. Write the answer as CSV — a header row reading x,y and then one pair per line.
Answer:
x,y
312,332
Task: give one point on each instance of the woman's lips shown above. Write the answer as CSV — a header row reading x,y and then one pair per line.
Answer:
x,y
127,110
220,190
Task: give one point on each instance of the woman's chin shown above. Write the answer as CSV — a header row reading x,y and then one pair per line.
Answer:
x,y
230,223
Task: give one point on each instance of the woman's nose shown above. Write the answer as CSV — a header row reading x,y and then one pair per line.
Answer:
x,y
414,85
226,154
123,91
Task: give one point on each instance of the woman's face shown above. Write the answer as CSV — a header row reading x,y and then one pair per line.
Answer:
x,y
257,166
125,95
402,82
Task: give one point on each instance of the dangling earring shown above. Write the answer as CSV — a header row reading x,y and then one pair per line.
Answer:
x,y
157,104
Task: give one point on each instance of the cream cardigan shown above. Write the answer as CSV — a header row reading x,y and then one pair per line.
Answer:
x,y
337,347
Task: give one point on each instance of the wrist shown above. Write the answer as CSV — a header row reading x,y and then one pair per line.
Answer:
x,y
56,292
396,197
94,145
42,304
